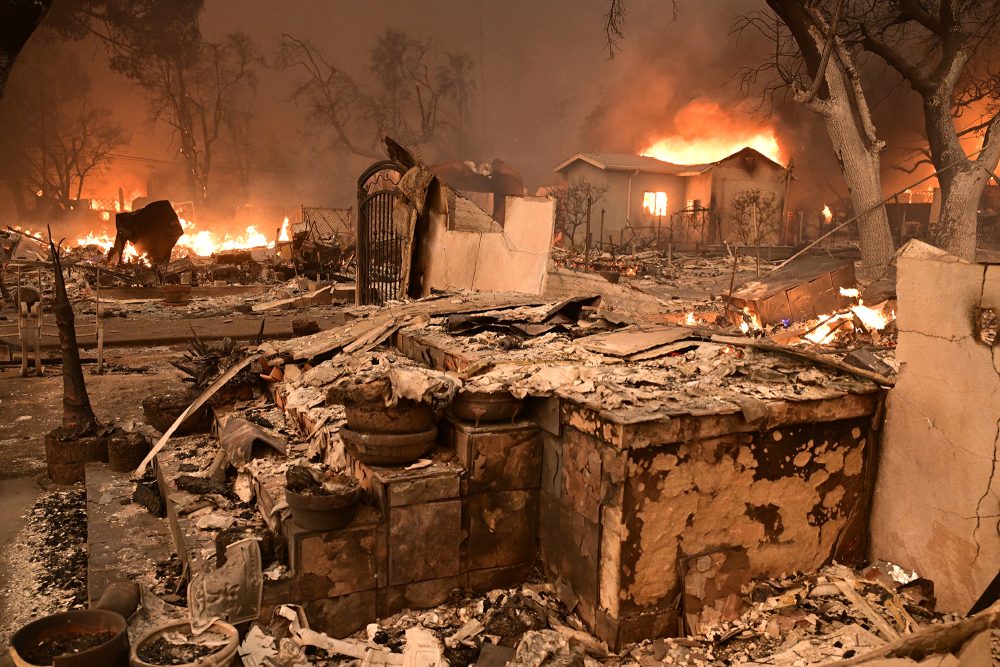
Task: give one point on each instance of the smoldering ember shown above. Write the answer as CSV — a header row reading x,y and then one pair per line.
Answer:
x,y
620,332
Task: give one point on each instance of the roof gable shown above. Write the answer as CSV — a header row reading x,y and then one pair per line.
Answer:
x,y
651,165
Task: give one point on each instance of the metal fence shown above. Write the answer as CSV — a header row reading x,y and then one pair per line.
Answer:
x,y
329,224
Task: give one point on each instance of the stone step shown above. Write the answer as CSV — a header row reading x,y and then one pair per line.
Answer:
x,y
124,541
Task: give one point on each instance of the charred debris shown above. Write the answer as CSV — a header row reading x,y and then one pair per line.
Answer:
x,y
462,445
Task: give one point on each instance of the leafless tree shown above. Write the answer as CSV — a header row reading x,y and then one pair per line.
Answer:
x,y
196,97
55,137
418,92
572,201
812,63
331,94
194,86
945,51
756,216
814,66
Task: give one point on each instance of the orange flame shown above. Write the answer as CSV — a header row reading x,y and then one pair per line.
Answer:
x,y
200,242
707,133
827,214
873,319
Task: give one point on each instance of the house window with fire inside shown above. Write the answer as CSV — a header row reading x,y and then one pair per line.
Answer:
x,y
654,204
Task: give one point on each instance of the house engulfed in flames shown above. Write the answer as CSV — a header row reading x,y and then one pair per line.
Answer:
x,y
644,193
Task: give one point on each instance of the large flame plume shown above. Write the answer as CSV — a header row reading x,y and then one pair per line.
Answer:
x,y
705,132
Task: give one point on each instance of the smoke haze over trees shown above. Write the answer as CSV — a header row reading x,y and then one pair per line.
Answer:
x,y
528,83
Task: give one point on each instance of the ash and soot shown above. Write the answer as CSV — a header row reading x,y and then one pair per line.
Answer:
x,y
48,561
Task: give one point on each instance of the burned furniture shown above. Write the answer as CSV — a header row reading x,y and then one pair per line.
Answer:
x,y
802,290
153,230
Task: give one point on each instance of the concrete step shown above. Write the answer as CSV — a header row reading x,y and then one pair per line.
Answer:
x,y
124,541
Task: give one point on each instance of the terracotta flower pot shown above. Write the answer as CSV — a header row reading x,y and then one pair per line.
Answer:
x,y
479,406
324,511
389,449
375,417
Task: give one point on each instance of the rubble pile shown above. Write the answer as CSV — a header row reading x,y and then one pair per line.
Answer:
x,y
836,614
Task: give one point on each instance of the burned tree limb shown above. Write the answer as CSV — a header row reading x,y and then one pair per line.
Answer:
x,y
820,359
78,415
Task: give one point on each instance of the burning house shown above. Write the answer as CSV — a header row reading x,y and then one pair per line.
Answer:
x,y
645,194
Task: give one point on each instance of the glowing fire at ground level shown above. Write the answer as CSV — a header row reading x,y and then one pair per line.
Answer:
x,y
201,243
824,329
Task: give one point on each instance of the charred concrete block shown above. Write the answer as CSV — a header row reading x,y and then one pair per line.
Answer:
x,y
342,616
499,457
424,541
395,487
551,465
569,544
581,473
336,562
546,413
787,495
636,627
631,629
417,595
493,578
502,528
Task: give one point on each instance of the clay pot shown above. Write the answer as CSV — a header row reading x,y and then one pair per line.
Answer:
x,y
113,653
324,512
375,417
389,449
161,410
66,457
126,450
479,406
220,658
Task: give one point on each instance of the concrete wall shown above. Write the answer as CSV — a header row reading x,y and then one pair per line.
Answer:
x,y
937,502
466,249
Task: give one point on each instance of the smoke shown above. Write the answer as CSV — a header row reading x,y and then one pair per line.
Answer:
x,y
679,79
544,90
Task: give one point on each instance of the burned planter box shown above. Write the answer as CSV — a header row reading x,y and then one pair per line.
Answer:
x,y
803,290
629,507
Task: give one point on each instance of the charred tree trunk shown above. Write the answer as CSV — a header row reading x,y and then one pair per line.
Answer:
x,y
959,219
836,95
78,416
859,162
961,186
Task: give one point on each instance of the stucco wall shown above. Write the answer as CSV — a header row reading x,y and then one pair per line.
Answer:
x,y
470,250
937,502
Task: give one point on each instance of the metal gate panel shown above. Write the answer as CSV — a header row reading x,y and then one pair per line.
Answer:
x,y
380,243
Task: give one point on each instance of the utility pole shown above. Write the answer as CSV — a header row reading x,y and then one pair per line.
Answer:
x,y
586,252
756,226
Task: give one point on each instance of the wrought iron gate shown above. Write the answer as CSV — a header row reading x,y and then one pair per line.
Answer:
x,y
380,245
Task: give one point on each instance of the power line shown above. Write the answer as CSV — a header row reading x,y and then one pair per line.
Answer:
x,y
176,163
